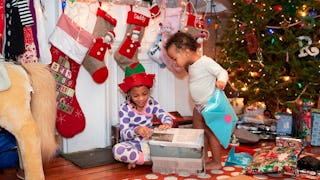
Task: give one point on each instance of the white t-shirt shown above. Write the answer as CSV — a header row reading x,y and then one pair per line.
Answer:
x,y
202,79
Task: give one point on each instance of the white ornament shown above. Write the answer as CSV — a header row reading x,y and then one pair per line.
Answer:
x,y
199,40
107,39
306,50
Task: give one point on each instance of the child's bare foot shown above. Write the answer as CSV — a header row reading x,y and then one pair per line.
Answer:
x,y
213,165
131,165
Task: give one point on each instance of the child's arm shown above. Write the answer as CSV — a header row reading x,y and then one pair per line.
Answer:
x,y
221,84
161,114
220,73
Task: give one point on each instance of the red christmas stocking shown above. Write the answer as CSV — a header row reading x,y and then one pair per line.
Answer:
x,y
70,118
195,24
137,20
104,36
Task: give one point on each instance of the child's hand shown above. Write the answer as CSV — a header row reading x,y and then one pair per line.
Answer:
x,y
221,84
144,131
164,126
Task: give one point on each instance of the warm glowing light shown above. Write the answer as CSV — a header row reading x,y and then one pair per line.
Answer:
x,y
285,78
254,74
289,111
244,88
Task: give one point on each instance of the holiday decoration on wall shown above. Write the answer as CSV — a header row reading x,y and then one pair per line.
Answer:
x,y
155,50
271,50
195,23
137,19
67,56
170,25
104,36
70,118
76,41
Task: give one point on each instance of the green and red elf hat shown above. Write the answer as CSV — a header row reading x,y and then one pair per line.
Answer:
x,y
135,75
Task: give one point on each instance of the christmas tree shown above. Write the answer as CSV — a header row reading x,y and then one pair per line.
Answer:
x,y
271,50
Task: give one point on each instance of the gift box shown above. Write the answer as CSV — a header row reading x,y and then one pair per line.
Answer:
x,y
257,119
256,108
177,150
315,130
303,120
289,142
284,124
166,165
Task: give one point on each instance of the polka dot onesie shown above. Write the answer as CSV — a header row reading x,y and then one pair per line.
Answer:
x,y
129,149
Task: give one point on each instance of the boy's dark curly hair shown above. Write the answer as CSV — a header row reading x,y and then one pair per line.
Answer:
x,y
182,40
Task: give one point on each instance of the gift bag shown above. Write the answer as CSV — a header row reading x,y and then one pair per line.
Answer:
x,y
237,159
220,117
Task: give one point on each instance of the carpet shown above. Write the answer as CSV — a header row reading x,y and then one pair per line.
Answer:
x,y
91,158
226,173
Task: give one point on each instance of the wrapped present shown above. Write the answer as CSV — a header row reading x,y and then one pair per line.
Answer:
x,y
166,165
289,142
315,130
302,117
177,142
256,108
284,124
257,119
237,105
172,149
273,160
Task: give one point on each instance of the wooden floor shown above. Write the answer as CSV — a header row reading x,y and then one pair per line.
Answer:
x,y
60,169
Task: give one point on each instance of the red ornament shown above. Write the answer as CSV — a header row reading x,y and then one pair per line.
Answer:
x,y
277,8
248,1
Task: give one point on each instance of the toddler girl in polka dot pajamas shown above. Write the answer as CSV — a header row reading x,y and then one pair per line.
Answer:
x,y
136,116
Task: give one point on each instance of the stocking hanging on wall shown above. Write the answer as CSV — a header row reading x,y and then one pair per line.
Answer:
x,y
104,36
137,19
76,40
170,25
155,50
195,23
70,118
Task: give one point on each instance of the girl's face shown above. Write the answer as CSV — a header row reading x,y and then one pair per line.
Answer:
x,y
179,56
139,95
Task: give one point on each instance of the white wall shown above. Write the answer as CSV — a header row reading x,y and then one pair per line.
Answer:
x,y
100,102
